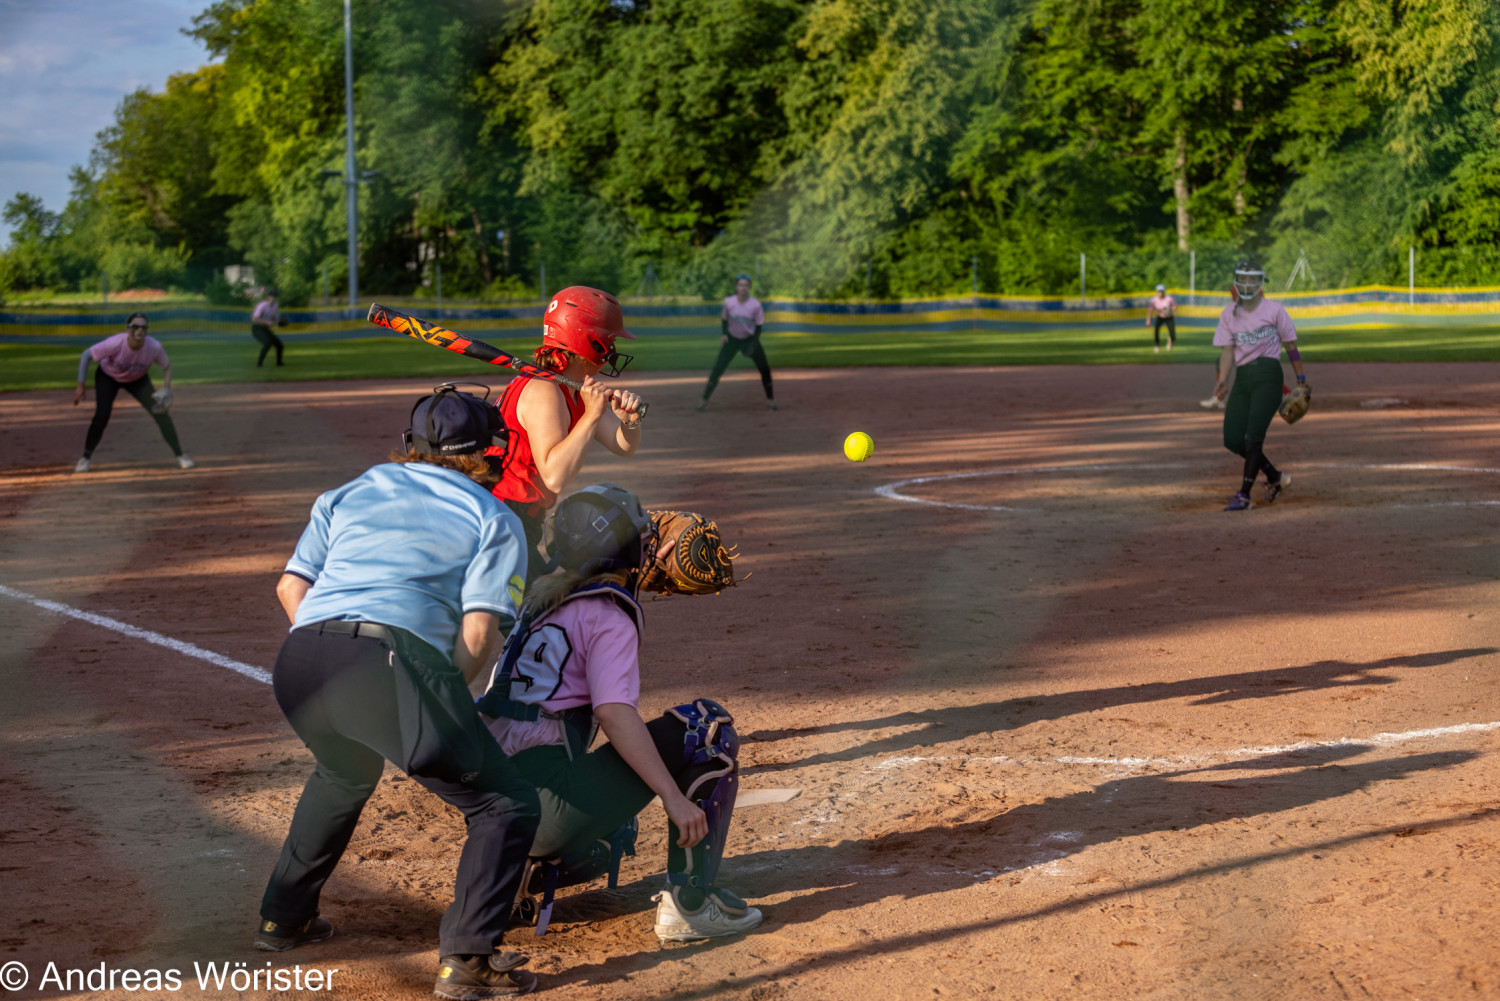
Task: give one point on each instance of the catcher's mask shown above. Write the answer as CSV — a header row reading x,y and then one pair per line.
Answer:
x,y
600,528
449,422
1249,280
586,321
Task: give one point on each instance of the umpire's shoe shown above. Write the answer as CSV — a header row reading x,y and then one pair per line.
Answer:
x,y
497,975
273,937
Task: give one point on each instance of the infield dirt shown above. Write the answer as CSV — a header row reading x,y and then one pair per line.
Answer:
x,y
1088,736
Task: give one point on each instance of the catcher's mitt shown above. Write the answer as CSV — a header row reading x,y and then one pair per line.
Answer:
x,y
161,400
690,556
1294,404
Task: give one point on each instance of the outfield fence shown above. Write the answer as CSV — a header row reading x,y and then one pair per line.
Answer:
x,y
1372,306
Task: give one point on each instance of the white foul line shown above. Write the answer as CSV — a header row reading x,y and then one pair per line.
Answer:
x,y
125,628
1238,754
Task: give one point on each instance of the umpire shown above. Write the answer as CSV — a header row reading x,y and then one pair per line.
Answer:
x,y
396,592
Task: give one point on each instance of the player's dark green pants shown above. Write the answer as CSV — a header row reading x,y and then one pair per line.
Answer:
x,y
1247,415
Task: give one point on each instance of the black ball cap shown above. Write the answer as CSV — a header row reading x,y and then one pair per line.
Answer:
x,y
451,423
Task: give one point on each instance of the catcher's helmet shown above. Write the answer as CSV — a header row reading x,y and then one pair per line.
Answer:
x,y
586,322
601,527
448,422
1249,280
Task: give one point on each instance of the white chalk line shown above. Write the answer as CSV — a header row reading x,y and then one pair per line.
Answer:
x,y
892,490
1198,760
126,629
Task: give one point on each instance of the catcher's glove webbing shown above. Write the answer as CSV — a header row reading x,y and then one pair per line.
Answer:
x,y
690,556
1294,404
161,400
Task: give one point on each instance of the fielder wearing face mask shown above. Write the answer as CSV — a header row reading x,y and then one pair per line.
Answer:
x,y
1252,332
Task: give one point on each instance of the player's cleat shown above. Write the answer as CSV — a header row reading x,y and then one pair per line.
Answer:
x,y
770,404
702,405
498,975
1273,490
185,462
1212,403
722,913
273,937
1239,502
1169,345
1156,350
82,465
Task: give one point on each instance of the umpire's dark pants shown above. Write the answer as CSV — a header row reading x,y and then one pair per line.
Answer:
x,y
357,701
750,348
106,388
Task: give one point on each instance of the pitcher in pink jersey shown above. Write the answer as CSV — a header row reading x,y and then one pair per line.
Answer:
x,y
1252,331
124,363
740,323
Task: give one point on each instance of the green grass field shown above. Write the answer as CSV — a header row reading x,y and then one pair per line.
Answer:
x,y
24,367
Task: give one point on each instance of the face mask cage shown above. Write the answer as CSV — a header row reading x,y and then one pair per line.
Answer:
x,y
1249,284
615,363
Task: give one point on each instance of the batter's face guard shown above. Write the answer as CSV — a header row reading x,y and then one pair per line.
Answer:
x,y
449,422
600,528
586,321
1249,281
711,751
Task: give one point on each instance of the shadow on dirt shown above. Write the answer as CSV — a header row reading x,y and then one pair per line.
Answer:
x,y
957,722
850,874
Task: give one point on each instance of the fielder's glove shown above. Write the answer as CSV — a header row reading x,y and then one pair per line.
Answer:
x,y
282,321
1294,404
690,556
161,400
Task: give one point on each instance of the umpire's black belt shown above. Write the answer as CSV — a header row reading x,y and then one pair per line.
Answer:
x,y
345,627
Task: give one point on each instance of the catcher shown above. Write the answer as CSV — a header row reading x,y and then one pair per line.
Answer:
x,y
570,669
1252,331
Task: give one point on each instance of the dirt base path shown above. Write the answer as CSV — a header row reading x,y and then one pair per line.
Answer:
x,y
1061,726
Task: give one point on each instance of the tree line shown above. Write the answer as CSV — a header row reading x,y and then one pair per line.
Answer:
x,y
899,147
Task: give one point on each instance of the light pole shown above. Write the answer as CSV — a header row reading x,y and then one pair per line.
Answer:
x,y
351,179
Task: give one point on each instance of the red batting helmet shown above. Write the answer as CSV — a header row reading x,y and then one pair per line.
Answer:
x,y
586,322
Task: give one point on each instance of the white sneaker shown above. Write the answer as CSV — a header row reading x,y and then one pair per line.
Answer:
x,y
1212,403
722,913
82,466
185,462
1156,350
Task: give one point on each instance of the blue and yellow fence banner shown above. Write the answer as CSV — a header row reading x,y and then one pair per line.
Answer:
x,y
1370,306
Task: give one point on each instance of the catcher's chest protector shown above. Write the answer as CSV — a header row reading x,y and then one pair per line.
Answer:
x,y
535,656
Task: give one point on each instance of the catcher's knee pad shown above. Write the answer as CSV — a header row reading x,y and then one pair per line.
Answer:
x,y
544,877
710,749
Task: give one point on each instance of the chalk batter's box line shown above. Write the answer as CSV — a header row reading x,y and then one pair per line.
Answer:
x,y
892,491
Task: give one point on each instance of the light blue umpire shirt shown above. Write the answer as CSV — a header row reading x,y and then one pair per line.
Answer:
x,y
414,546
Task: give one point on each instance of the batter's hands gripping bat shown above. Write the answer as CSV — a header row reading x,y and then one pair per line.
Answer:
x,y
431,333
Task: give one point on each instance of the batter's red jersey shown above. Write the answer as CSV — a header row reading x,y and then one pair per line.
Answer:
x,y
519,479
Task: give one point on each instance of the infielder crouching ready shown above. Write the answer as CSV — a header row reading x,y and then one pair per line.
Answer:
x,y
396,593
571,668
1251,332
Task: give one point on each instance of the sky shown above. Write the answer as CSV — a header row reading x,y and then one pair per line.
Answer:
x,y
64,66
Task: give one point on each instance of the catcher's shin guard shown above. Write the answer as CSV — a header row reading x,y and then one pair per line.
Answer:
x,y
711,779
544,877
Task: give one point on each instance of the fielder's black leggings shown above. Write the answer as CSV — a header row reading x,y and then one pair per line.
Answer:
x,y
1171,322
750,348
357,702
1247,415
268,340
106,388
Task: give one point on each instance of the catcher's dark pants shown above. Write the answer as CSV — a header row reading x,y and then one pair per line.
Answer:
x,y
358,701
268,340
106,388
1171,322
1248,412
591,795
750,348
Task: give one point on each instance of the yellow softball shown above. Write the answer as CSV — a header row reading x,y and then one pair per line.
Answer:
x,y
859,446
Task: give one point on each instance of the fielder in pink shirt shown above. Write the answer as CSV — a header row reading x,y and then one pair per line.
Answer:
x,y
265,315
740,324
1163,309
125,362
1252,332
